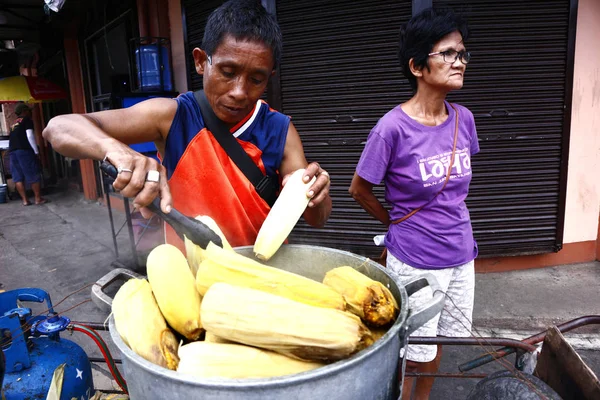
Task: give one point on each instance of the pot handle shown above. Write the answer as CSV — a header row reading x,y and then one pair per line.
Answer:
x,y
417,319
102,300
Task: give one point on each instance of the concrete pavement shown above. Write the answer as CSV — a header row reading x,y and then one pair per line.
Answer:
x,y
66,245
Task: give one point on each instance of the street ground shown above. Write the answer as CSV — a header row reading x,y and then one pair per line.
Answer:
x,y
66,245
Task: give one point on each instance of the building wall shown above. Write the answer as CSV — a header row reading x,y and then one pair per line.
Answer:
x,y
583,185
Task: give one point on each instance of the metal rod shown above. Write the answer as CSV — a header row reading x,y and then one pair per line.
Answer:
x,y
130,230
110,215
444,375
102,360
566,327
470,341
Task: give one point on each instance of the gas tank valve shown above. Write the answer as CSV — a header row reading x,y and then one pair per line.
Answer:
x,y
50,326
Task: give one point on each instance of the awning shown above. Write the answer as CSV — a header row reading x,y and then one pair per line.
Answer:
x,y
29,89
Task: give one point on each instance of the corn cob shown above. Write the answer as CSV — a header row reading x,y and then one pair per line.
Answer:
x,y
378,333
227,266
141,325
195,253
365,297
237,361
174,287
272,322
210,337
284,215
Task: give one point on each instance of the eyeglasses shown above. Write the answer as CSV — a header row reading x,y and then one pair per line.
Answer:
x,y
450,56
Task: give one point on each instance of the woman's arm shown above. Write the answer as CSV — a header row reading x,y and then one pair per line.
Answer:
x,y
361,190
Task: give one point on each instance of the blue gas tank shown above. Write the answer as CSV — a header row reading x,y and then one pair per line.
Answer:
x,y
33,350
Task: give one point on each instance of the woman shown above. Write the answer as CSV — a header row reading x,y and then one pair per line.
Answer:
x,y
410,150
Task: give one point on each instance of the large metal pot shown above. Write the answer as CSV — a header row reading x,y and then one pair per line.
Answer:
x,y
370,374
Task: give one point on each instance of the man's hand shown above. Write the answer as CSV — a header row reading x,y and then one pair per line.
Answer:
x,y
319,190
132,179
319,206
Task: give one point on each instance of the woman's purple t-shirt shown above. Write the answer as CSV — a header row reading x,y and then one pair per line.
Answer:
x,y
412,160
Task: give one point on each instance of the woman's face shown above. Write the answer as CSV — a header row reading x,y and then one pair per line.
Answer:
x,y
445,73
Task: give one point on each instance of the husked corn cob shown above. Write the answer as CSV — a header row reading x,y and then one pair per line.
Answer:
x,y
284,215
222,265
365,297
141,325
195,253
378,333
272,322
174,287
210,337
237,361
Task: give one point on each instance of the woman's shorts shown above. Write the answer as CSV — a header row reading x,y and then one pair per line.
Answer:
x,y
24,166
455,319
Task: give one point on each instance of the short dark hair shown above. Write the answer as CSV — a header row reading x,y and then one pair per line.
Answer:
x,y
21,108
244,20
422,32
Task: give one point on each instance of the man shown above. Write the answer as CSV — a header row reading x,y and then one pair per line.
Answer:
x,y
23,152
240,50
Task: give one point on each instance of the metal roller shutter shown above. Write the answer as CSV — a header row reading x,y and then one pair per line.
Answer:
x,y
339,75
516,88
196,13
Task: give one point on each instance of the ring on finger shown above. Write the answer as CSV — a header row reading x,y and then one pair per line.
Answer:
x,y
153,176
121,169
324,173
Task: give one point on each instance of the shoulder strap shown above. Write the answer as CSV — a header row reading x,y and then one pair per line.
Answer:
x,y
416,210
264,185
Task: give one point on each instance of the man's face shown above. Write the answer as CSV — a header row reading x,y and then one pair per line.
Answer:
x,y
235,76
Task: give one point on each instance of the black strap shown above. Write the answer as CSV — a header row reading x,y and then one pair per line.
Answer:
x,y
265,186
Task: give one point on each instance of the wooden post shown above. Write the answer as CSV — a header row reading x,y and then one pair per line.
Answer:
x,y
77,94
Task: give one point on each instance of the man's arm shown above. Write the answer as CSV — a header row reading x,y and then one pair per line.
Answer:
x,y
361,190
319,207
107,134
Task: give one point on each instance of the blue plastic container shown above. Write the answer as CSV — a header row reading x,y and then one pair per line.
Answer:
x,y
148,62
3,193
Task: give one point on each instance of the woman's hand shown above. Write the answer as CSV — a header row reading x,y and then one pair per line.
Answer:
x,y
141,178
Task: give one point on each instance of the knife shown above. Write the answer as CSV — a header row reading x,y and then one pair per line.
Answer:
x,y
194,230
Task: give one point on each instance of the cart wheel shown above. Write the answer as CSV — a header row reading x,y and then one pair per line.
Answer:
x,y
506,385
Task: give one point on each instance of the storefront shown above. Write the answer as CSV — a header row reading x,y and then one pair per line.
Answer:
x,y
529,86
